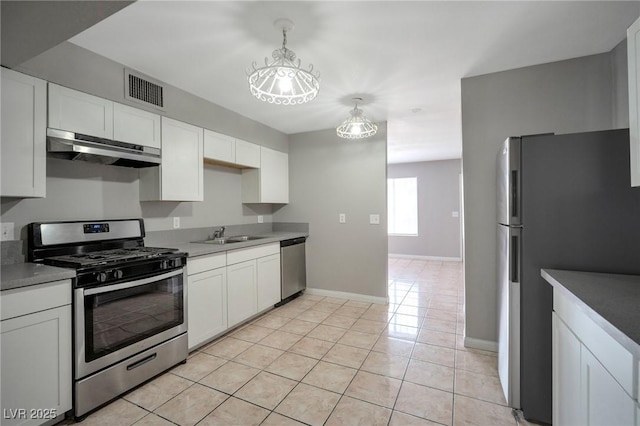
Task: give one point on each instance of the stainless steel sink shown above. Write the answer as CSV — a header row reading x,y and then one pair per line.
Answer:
x,y
229,240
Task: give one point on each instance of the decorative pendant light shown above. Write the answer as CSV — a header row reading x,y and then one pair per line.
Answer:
x,y
358,126
282,81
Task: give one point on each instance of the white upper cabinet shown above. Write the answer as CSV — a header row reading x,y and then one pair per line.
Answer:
x,y
269,183
180,175
23,140
136,126
247,154
80,112
633,58
230,151
219,147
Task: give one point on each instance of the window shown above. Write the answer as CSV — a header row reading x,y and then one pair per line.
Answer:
x,y
402,196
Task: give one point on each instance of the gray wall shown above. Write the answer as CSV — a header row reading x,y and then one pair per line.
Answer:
x,y
77,190
329,176
569,96
438,196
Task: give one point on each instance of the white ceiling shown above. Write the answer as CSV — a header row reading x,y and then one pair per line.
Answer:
x,y
405,59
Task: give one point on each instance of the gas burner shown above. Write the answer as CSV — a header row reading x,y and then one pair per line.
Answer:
x,y
108,256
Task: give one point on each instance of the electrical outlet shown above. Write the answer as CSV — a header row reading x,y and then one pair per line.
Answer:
x,y
455,214
7,232
260,219
342,218
374,219
176,222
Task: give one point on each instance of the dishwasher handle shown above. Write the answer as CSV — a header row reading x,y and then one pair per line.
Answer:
x,y
293,241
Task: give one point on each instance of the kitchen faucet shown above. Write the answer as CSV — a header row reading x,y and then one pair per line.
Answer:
x,y
219,233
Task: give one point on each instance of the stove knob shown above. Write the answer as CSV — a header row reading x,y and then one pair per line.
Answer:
x,y
101,276
165,264
117,274
176,263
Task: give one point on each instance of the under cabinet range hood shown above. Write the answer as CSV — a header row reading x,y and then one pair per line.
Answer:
x,y
76,146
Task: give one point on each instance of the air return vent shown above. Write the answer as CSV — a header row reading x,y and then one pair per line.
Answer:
x,y
143,89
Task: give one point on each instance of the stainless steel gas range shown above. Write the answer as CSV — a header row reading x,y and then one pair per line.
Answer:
x,y
129,303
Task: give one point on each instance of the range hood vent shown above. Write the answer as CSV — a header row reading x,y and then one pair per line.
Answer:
x,y
142,89
76,146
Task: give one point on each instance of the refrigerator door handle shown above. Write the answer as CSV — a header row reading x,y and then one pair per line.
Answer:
x,y
514,194
514,266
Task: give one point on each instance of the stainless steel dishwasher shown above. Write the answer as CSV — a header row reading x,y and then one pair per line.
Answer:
x,y
293,266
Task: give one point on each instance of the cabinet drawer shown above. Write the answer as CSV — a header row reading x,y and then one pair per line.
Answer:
x,y
206,263
241,255
27,300
611,354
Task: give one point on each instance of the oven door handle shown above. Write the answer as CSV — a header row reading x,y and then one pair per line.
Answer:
x,y
122,286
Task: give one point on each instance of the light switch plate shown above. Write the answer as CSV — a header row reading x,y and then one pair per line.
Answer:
x,y
455,214
7,232
374,219
260,219
342,218
176,222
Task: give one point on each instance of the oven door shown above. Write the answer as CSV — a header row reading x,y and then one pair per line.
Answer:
x,y
117,321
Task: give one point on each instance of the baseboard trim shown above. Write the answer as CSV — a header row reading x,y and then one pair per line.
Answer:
x,y
485,345
434,258
344,295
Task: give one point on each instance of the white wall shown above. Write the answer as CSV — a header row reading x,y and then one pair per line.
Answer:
x,y
438,196
561,97
329,176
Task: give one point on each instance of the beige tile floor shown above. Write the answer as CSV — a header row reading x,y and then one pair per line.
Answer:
x,y
324,360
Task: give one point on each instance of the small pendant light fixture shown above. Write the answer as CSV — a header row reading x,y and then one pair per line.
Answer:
x,y
282,81
357,126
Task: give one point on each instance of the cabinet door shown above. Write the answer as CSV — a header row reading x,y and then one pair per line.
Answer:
x,y
241,292
566,375
274,176
219,147
633,63
23,140
80,112
136,126
604,401
36,364
247,154
207,305
268,281
181,171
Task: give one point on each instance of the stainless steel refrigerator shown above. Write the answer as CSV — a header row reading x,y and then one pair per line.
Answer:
x,y
564,202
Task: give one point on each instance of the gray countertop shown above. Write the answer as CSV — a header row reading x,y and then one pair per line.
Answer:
x,y
199,249
27,274
611,300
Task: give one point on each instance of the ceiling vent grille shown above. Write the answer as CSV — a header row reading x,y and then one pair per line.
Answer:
x,y
142,89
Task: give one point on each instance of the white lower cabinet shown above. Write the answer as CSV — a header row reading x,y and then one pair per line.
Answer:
x,y
207,305
268,281
566,375
586,388
36,355
241,292
228,288
604,401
